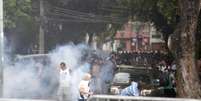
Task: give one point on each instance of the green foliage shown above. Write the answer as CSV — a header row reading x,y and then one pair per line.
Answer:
x,y
168,9
19,24
161,12
108,33
16,11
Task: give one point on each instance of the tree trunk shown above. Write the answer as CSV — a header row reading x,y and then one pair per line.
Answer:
x,y
90,39
198,38
41,29
188,84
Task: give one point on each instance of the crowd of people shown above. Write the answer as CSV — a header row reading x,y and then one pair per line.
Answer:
x,y
167,78
162,64
100,76
139,57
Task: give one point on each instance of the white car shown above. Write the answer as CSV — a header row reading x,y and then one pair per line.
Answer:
x,y
120,81
121,78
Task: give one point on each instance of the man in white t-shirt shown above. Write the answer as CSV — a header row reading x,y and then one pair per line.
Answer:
x,y
64,93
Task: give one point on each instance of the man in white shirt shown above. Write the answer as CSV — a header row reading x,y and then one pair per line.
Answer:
x,y
64,93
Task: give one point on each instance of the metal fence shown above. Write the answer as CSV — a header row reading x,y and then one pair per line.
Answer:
x,y
125,98
12,99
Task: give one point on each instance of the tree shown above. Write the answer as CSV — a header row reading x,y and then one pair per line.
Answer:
x,y
162,13
173,16
188,83
198,38
19,24
14,10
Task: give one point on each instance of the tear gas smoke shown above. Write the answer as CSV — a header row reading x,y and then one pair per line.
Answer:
x,y
38,78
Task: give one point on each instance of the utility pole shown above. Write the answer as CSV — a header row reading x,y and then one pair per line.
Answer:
x,y
1,48
41,30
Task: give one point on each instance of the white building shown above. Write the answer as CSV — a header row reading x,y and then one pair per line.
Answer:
x,y
108,45
156,39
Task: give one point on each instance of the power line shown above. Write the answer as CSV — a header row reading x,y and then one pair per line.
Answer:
x,y
114,10
80,19
71,20
69,16
61,14
86,15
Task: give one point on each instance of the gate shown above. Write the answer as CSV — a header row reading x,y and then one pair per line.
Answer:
x,y
126,98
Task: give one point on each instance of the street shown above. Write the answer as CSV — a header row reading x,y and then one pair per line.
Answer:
x,y
100,50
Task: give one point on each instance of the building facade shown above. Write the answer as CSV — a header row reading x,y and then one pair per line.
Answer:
x,y
156,39
138,36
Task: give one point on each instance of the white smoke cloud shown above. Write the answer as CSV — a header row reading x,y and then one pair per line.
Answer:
x,y
30,78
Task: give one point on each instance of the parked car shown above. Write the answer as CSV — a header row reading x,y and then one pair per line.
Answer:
x,y
124,76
